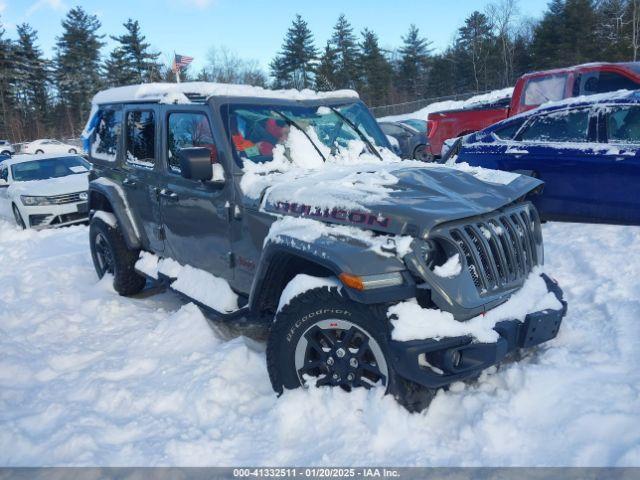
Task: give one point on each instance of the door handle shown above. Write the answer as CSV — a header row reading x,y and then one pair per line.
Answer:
x,y
169,195
129,183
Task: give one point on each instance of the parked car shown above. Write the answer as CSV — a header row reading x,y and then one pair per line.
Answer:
x,y
532,90
49,146
587,152
6,148
419,125
44,190
286,210
412,143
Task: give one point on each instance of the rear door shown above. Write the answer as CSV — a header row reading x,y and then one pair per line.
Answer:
x,y
140,165
621,129
560,148
195,214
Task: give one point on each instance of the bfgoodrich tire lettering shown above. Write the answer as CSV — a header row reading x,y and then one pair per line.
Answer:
x,y
364,365
110,254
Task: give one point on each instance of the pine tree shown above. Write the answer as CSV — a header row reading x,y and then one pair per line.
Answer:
x,y
376,72
132,61
326,72
414,58
77,66
549,35
32,76
345,44
7,76
295,64
477,44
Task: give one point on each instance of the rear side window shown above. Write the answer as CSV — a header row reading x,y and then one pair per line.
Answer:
x,y
623,124
187,130
544,89
602,82
141,135
572,126
107,134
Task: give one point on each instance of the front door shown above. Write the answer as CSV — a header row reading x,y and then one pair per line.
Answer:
x,y
140,167
195,214
560,148
621,125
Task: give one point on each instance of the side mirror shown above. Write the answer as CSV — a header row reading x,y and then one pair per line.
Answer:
x,y
195,163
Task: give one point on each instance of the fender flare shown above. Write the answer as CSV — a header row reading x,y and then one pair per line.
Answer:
x,y
118,202
312,255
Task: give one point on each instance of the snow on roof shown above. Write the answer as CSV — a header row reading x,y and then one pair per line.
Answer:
x,y
177,93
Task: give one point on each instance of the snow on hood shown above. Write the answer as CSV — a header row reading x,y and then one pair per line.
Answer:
x,y
52,186
355,187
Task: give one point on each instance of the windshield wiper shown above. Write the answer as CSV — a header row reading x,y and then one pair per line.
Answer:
x,y
294,124
362,136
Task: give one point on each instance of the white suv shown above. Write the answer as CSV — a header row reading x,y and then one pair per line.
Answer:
x,y
42,191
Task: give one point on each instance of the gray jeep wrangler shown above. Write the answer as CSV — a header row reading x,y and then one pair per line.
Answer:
x,y
195,177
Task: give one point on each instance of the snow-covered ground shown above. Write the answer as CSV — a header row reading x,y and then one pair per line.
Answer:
x,y
88,377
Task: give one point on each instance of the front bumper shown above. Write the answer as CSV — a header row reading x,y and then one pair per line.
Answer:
x,y
436,363
47,216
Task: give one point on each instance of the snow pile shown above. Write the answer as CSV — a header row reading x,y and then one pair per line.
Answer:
x,y
319,175
197,284
488,175
423,114
412,322
302,283
309,231
88,377
450,268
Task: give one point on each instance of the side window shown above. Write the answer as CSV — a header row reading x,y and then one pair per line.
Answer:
x,y
544,89
508,131
107,132
572,126
602,82
141,135
187,130
390,129
4,173
623,124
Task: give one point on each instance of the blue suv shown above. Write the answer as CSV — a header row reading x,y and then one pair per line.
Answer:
x,y
585,149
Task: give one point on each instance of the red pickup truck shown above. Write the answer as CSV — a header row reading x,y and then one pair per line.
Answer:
x,y
532,90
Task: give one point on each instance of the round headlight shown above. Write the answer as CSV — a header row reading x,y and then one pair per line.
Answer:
x,y
432,253
83,195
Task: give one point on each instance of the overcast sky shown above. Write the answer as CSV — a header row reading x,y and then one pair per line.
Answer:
x,y
252,28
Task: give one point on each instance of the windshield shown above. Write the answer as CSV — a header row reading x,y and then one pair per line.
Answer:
x,y
255,130
48,168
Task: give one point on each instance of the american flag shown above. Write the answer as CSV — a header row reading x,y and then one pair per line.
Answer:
x,y
181,61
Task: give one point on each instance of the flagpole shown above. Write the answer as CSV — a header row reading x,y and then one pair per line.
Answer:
x,y
176,67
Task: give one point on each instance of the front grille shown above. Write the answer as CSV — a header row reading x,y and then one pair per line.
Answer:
x,y
66,198
500,250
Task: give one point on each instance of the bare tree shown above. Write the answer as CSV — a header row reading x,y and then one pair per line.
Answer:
x,y
225,66
503,14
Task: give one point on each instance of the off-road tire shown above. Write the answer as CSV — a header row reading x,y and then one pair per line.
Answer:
x,y
323,304
126,281
18,218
